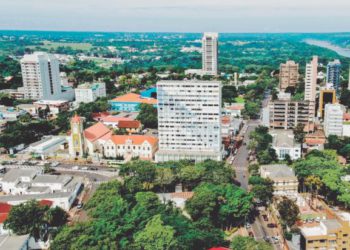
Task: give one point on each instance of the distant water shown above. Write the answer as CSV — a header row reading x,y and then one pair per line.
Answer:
x,y
341,51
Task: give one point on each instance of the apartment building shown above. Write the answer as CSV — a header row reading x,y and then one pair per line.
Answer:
x,y
287,114
285,183
333,119
326,96
89,92
289,75
41,76
210,53
189,120
333,74
330,234
310,83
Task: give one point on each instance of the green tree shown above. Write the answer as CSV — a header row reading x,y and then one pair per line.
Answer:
x,y
299,133
262,188
248,243
156,236
289,211
148,116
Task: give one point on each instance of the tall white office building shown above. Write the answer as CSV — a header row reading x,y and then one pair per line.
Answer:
x,y
310,83
41,76
333,119
210,54
189,120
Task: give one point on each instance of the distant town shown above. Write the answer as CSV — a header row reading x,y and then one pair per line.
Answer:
x,y
117,146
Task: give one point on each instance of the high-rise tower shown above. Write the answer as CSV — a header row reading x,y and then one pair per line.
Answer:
x,y
210,53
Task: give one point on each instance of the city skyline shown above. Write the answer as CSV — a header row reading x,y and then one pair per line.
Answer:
x,y
180,16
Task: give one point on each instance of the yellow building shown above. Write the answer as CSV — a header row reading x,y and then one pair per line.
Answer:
x,y
330,234
76,140
326,96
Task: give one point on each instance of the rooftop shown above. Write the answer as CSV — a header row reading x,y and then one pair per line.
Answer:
x,y
283,138
13,174
129,124
48,179
277,171
132,97
135,139
97,131
13,241
115,119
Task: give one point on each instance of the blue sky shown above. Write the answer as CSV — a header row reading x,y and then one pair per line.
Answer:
x,y
177,15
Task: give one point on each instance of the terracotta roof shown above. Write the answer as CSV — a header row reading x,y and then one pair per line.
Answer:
x,y
346,117
236,107
115,119
3,217
314,141
76,118
129,124
136,139
225,120
5,208
45,203
184,195
97,131
132,97
98,116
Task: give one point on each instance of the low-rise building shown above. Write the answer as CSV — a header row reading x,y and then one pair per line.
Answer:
x,y
55,106
130,102
131,146
233,109
315,140
48,146
21,185
28,108
285,183
89,92
284,144
10,113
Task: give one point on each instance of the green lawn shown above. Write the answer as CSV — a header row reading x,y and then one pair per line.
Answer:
x,y
55,45
239,99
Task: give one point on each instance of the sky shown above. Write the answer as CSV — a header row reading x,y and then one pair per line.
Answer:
x,y
177,15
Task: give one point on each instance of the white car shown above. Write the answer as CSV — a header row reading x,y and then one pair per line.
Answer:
x,y
75,168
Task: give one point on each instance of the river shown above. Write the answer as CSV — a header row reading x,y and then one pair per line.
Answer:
x,y
324,44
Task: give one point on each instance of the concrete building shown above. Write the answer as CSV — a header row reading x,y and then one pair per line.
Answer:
x,y
284,144
333,75
189,120
285,181
289,75
41,76
130,102
287,114
10,113
210,53
333,119
21,185
55,106
89,92
48,146
131,146
310,83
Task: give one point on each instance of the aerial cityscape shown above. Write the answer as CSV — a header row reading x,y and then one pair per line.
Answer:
x,y
194,138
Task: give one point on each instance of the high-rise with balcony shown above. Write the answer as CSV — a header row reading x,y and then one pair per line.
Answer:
x,y
41,76
310,83
189,118
333,75
210,54
289,74
333,119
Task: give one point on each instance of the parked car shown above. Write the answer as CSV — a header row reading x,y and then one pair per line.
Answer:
x,y
251,234
75,168
265,217
80,205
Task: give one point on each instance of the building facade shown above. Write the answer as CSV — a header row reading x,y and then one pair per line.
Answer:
x,y
289,75
210,53
333,75
41,76
284,144
89,92
287,114
333,119
189,120
326,96
130,102
310,83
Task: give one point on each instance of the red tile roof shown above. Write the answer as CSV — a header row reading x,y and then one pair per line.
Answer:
x,y
136,139
115,119
132,97
98,116
129,124
183,195
225,120
346,117
3,217
46,203
97,131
